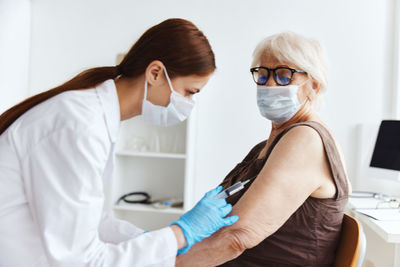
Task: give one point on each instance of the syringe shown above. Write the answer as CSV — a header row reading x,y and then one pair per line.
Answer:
x,y
233,189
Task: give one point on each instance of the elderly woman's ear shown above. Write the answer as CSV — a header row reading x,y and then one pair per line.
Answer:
x,y
316,86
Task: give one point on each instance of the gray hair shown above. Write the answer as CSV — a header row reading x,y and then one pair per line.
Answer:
x,y
305,53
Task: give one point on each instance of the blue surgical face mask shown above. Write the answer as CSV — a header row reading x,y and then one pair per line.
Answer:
x,y
278,103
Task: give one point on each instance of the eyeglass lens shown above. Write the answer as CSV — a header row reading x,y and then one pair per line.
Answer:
x,y
282,76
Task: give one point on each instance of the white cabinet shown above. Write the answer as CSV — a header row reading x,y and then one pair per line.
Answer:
x,y
157,160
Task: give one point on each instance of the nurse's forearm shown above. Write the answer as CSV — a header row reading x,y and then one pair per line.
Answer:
x,y
180,237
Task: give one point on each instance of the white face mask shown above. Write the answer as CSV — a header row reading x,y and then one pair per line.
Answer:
x,y
278,103
178,109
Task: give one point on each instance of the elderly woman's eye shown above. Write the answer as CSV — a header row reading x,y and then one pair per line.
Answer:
x,y
262,79
261,76
283,79
283,76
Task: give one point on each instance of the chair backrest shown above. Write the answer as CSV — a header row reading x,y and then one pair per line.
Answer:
x,y
352,244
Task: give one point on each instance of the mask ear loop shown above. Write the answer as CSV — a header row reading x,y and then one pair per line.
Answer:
x,y
168,79
145,88
300,85
308,96
312,93
172,88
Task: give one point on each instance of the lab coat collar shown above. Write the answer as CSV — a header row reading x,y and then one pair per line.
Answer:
x,y
107,93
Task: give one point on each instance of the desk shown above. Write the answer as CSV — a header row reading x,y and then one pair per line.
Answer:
x,y
387,230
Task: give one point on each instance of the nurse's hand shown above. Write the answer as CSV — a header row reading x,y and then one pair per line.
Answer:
x,y
207,217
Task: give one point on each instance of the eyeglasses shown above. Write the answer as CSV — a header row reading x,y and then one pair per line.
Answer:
x,y
282,75
388,203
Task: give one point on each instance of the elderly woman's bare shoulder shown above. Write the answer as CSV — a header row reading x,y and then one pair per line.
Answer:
x,y
303,138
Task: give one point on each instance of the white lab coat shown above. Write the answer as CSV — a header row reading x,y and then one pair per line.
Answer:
x,y
54,162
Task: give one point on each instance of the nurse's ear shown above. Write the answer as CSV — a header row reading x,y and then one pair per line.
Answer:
x,y
154,72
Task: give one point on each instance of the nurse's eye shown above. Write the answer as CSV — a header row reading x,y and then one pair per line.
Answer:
x,y
192,92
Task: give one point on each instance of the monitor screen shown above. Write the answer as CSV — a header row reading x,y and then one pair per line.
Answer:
x,y
386,153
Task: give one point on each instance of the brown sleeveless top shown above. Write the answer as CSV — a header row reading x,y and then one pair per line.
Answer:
x,y
310,236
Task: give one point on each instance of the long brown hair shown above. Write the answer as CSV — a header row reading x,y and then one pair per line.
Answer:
x,y
178,43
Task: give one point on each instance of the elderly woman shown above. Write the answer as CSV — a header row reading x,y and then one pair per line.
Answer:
x,y
292,211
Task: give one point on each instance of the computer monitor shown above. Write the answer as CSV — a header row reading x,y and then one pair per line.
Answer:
x,y
385,158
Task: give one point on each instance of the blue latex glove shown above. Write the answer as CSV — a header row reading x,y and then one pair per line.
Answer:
x,y
205,218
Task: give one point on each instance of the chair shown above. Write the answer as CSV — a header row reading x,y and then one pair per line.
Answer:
x,y
352,244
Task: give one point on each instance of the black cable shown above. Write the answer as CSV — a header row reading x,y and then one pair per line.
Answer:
x,y
145,200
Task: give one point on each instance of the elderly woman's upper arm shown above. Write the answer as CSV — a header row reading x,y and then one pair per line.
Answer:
x,y
285,182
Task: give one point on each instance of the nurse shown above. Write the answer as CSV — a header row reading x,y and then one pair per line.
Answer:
x,y
57,150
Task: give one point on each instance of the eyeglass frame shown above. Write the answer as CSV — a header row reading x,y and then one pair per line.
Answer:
x,y
255,69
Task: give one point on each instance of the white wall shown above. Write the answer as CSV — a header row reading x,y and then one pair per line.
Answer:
x,y
15,21
69,36
396,58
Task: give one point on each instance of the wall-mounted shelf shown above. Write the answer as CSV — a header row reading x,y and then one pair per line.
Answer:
x,y
151,154
147,208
